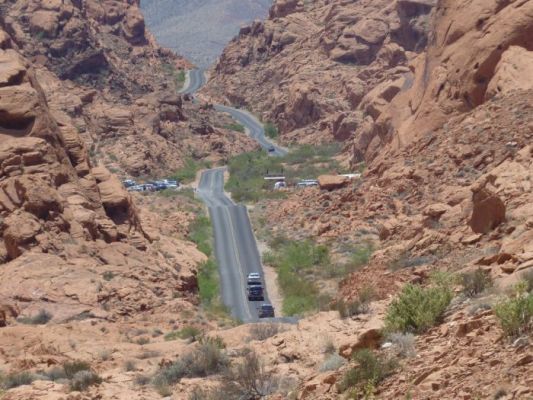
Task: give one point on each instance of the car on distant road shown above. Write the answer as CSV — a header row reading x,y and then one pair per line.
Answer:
x,y
271,149
253,278
255,293
128,183
266,311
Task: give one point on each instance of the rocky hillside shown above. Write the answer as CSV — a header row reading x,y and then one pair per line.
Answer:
x,y
311,67
200,29
102,73
435,101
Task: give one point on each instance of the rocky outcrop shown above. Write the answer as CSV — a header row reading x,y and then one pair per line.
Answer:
x,y
488,210
467,62
102,73
315,61
332,182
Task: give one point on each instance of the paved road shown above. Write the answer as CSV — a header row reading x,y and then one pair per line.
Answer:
x,y
235,247
196,79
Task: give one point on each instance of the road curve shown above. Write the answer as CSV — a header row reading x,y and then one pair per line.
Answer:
x,y
235,247
255,129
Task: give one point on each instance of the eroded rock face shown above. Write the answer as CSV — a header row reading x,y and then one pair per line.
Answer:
x,y
317,60
39,159
478,50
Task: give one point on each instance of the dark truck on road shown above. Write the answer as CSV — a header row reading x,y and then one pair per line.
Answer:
x,y
255,292
266,311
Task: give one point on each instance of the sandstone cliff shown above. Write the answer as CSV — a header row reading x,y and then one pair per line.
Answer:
x,y
319,69
102,73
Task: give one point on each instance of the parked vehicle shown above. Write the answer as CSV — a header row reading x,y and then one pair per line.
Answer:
x,y
129,183
266,311
253,278
307,183
255,293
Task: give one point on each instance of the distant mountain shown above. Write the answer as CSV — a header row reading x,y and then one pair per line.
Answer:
x,y
199,29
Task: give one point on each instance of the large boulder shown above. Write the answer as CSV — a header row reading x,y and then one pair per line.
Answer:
x,y
332,182
514,71
488,210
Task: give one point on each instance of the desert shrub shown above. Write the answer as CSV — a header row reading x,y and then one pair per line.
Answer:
x,y
129,366
208,282
295,262
206,359
249,380
41,318
527,277
359,305
370,371
142,380
55,374
328,347
187,173
142,340
71,368
235,127
83,379
271,130
515,313
332,363
264,330
404,342
17,379
216,341
187,332
360,256
200,232
157,332
418,308
108,275
475,282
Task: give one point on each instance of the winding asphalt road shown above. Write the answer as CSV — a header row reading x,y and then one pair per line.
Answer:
x,y
254,128
235,246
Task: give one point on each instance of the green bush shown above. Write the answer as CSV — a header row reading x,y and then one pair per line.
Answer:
x,y
208,282
515,313
187,173
371,370
293,260
41,318
187,332
235,127
207,359
418,308
475,282
247,170
271,130
201,233
527,277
